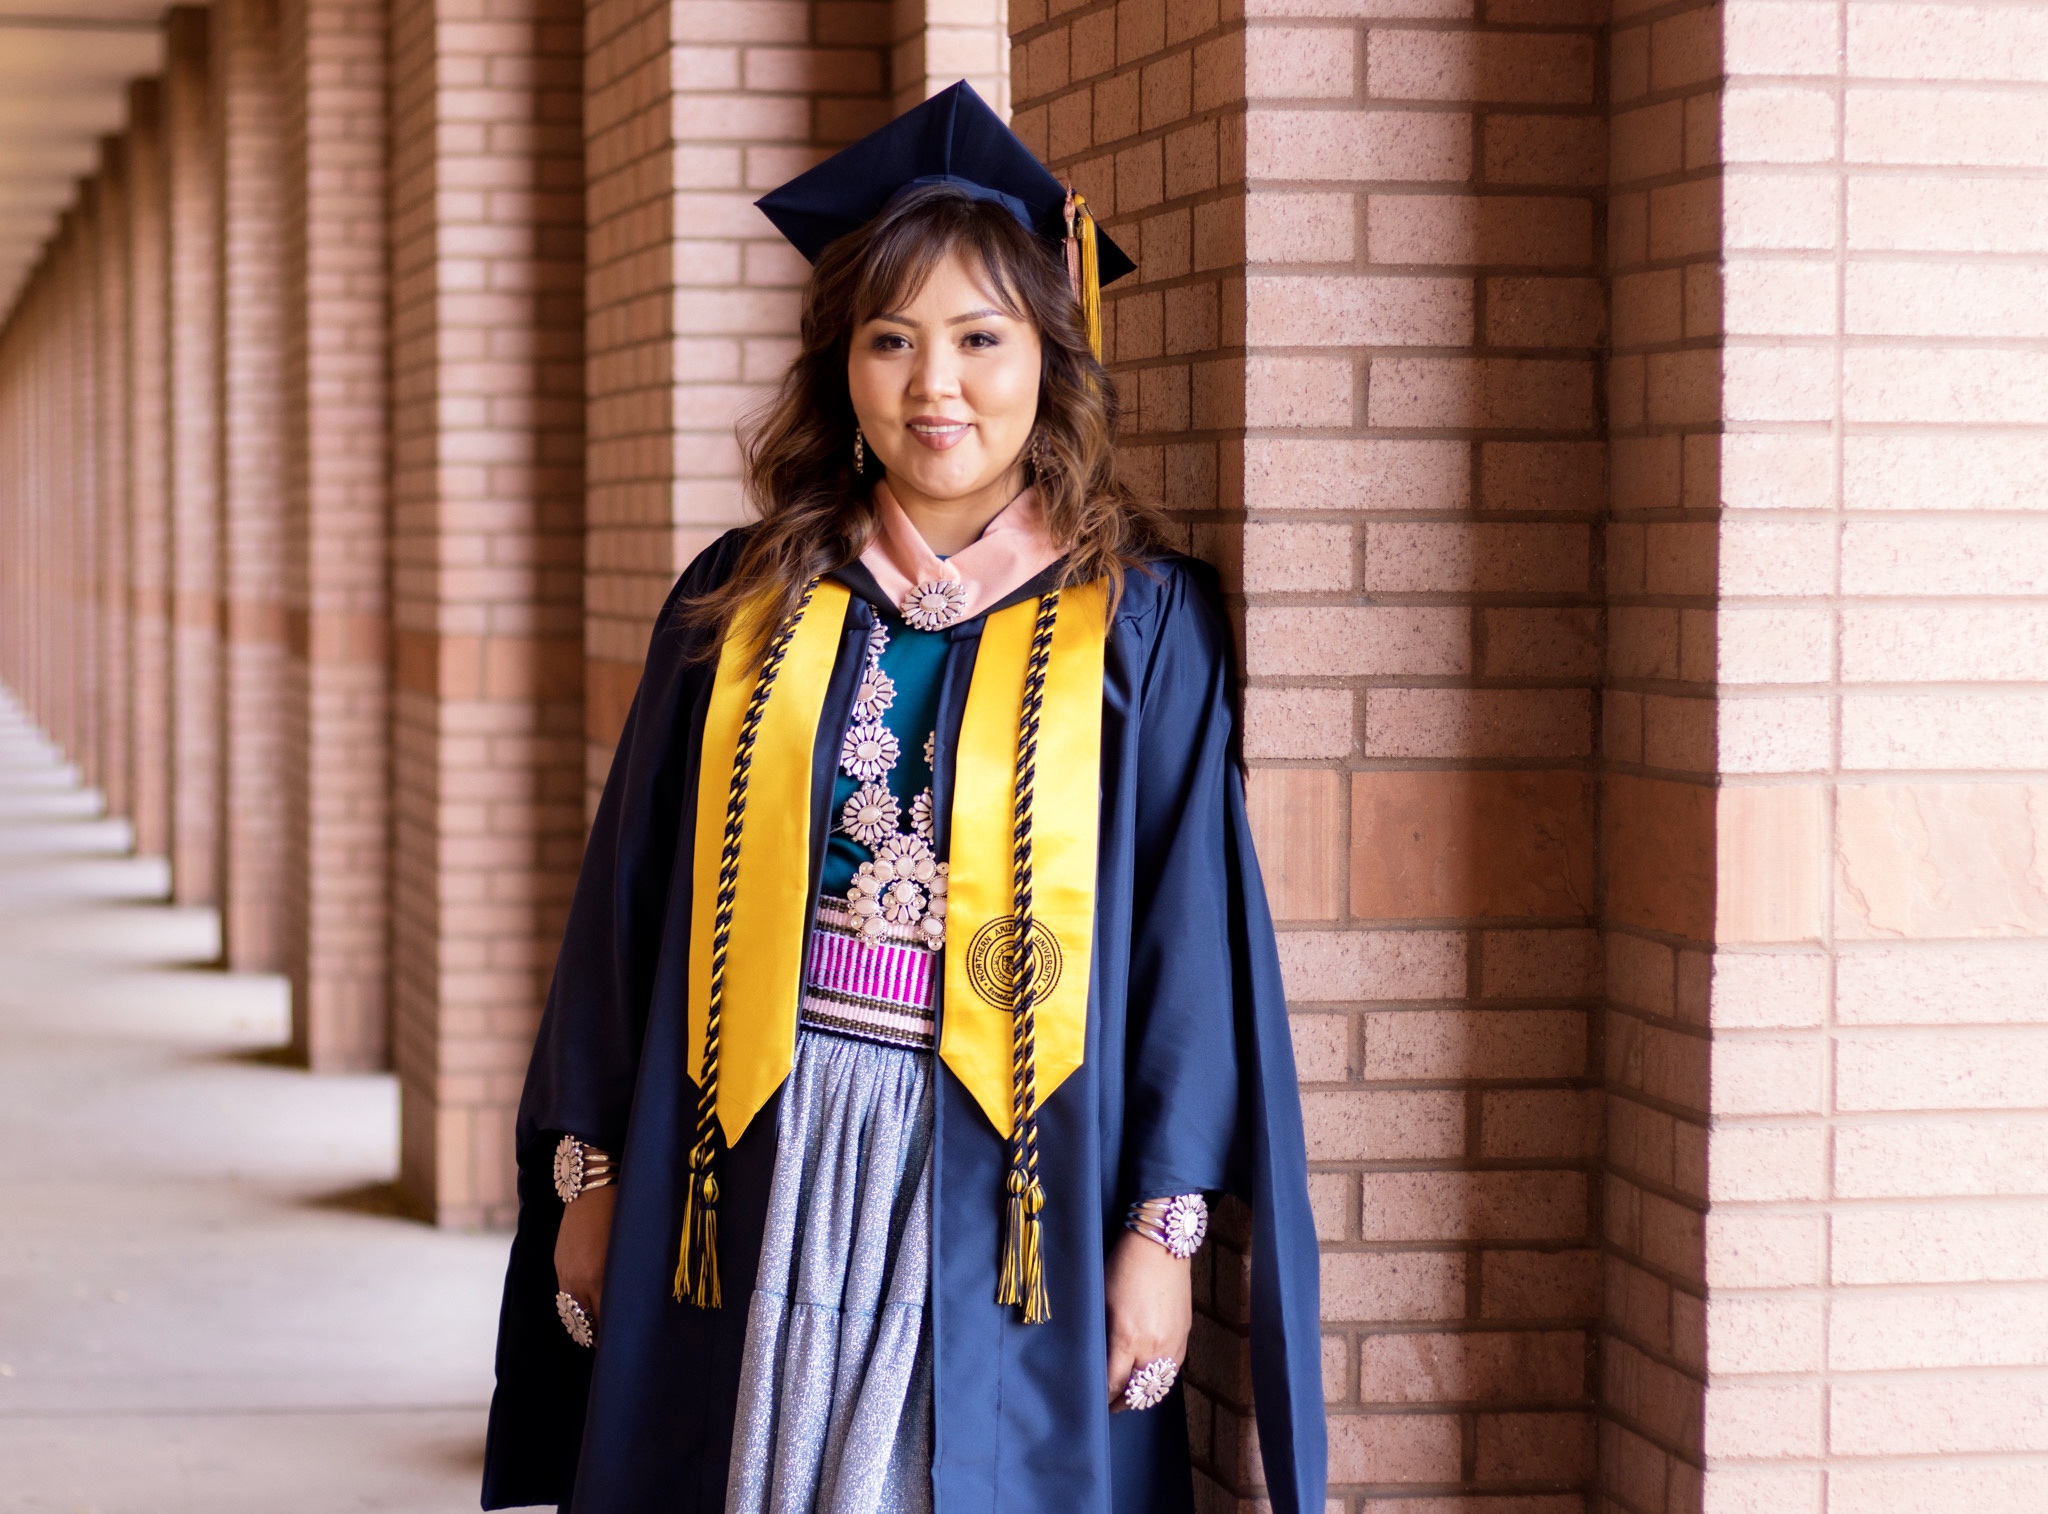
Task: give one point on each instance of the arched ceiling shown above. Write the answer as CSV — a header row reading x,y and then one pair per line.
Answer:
x,y
64,72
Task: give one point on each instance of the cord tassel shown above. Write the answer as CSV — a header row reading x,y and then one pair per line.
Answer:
x,y
697,1271
1023,1274
1020,1276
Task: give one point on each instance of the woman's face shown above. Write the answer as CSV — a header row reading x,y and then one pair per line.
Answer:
x,y
946,391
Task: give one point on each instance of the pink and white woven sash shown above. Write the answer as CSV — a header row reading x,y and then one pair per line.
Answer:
x,y
875,990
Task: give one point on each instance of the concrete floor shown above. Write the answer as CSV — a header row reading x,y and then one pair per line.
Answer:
x,y
207,1302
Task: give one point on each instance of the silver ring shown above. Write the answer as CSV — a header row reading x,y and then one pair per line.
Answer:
x,y
574,1320
1149,1385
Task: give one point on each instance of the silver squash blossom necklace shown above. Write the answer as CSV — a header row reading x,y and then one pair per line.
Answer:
x,y
901,890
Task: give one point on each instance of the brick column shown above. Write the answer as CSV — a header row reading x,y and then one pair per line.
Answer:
x,y
939,42
82,317
1876,1272
34,441
337,500
487,207
149,532
60,496
115,758
13,589
694,112
1659,745
632,549
1359,362
193,422
250,467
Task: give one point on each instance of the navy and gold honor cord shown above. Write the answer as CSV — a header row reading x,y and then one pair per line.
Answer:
x,y
1021,1273
697,1267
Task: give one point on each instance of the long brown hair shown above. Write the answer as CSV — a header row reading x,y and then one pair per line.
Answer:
x,y
816,511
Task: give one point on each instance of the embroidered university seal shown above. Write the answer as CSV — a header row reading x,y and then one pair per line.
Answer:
x,y
992,962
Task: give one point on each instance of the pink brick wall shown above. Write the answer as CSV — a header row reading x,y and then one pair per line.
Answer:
x,y
251,473
487,557
337,698
192,423
937,42
1876,1269
111,276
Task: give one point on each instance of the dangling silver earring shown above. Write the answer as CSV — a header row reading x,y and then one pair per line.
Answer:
x,y
1037,454
860,452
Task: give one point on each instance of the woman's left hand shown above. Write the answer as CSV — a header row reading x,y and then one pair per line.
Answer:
x,y
1151,1303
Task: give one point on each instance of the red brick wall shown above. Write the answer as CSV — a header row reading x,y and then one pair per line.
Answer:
x,y
111,275
487,553
192,433
630,158
251,473
149,525
694,112
1359,357
337,762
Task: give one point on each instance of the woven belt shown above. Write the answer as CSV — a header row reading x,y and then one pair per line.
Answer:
x,y
883,990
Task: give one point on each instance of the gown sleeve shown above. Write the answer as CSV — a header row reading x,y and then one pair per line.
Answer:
x,y
1182,1085
1212,1099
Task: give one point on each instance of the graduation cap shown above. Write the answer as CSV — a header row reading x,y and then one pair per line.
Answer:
x,y
953,138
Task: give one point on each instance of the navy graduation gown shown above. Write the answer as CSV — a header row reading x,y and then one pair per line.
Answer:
x,y
1188,1085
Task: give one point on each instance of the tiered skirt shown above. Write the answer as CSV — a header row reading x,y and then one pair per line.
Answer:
x,y
835,1403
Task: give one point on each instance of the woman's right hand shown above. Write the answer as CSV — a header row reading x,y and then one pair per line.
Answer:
x,y
580,1246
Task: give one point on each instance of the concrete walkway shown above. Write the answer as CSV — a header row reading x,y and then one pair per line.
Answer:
x,y
206,1300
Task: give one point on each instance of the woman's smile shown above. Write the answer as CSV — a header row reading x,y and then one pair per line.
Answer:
x,y
937,432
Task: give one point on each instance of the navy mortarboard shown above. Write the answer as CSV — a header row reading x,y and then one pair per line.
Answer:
x,y
953,138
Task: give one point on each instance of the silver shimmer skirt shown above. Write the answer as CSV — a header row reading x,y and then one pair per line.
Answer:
x,y
835,1400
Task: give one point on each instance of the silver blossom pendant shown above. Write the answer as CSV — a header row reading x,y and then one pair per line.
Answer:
x,y
870,816
935,604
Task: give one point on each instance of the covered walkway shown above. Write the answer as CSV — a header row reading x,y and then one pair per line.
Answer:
x,y
208,1299
1619,429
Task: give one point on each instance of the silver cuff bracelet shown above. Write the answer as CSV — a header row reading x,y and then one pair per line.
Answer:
x,y
1179,1223
579,1168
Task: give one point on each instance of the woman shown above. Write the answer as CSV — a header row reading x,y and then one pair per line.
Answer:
x,y
919,982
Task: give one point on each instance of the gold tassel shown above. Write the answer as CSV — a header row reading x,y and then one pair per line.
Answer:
x,y
1084,268
1091,277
